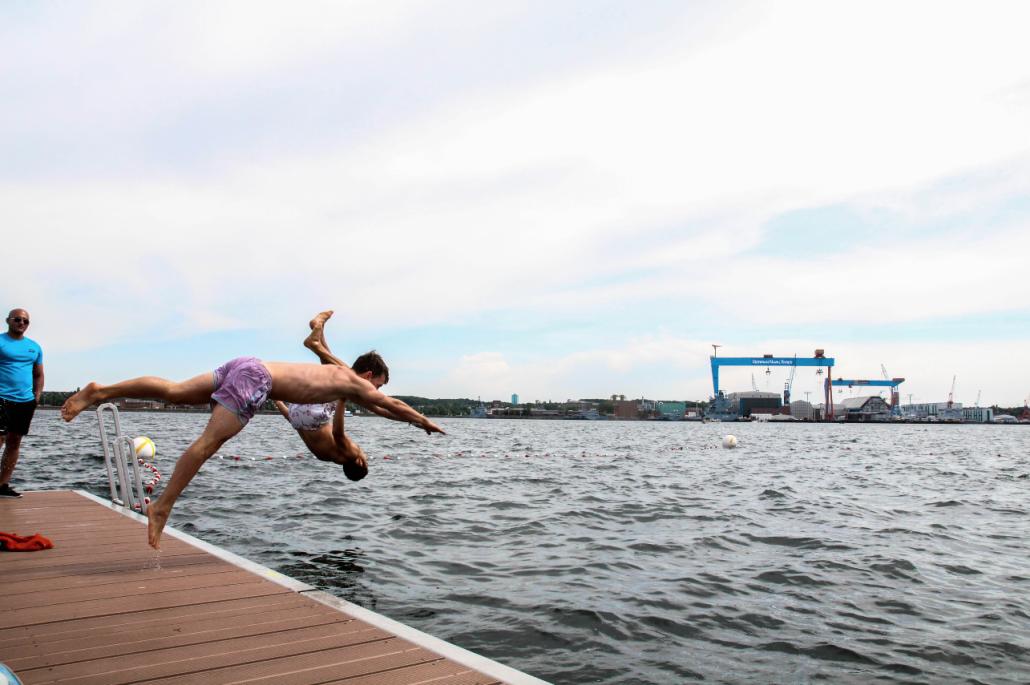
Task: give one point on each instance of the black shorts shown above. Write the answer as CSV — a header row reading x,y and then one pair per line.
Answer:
x,y
15,417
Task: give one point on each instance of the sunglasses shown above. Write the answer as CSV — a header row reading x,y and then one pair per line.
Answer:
x,y
18,319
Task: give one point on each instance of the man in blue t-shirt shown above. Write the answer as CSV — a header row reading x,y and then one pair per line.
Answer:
x,y
21,384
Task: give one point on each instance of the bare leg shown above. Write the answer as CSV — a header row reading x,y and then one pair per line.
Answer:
x,y
352,457
321,331
317,344
196,390
222,426
322,352
12,447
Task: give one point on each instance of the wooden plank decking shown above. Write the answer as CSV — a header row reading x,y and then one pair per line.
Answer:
x,y
98,608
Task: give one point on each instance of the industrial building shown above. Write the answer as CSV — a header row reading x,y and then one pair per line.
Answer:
x,y
933,411
633,409
803,411
839,411
672,411
869,408
978,414
650,409
745,402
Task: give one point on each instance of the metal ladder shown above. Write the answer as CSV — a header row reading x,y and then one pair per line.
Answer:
x,y
122,454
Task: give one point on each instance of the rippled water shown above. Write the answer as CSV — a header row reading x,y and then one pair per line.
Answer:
x,y
624,552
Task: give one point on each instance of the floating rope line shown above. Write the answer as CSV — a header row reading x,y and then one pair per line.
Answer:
x,y
151,484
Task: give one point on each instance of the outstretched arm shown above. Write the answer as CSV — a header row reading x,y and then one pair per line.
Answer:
x,y
386,413
392,408
355,463
383,405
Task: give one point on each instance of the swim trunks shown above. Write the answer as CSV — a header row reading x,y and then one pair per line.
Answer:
x,y
311,417
242,386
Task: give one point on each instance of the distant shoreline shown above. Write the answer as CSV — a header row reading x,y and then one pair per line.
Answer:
x,y
272,412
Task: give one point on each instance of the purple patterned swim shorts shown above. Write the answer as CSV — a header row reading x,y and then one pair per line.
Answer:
x,y
242,386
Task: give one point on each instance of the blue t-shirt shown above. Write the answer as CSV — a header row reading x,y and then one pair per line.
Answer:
x,y
17,358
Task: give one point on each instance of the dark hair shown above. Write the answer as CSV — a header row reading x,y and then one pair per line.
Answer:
x,y
355,471
371,361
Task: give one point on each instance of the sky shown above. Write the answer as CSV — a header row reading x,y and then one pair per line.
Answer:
x,y
561,200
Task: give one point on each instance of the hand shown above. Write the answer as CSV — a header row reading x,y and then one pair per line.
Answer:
x,y
429,427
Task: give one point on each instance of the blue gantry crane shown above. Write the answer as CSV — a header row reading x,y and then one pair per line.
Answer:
x,y
891,383
720,405
788,386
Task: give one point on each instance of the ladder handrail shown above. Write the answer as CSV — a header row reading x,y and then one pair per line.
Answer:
x,y
122,453
137,476
106,446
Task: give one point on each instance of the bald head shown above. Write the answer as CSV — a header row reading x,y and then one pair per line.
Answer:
x,y
17,322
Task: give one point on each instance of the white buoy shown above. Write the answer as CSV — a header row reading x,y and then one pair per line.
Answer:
x,y
144,447
729,442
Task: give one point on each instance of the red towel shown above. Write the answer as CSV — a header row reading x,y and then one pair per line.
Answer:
x,y
23,543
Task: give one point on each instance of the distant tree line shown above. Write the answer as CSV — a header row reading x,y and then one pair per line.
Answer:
x,y
464,406
440,407
51,398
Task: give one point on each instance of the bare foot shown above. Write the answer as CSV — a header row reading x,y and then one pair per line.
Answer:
x,y
320,319
74,405
155,524
315,339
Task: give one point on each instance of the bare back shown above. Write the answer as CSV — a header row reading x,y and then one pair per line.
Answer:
x,y
321,444
314,383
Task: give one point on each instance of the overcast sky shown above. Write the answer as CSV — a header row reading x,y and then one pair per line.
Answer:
x,y
555,199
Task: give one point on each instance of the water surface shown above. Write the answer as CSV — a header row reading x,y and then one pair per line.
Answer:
x,y
630,552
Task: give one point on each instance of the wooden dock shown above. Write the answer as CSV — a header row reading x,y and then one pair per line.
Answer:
x,y
104,608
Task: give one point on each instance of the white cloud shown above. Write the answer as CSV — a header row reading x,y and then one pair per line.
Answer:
x,y
571,190
628,368
475,372
223,38
894,282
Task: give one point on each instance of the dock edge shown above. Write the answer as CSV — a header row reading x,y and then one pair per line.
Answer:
x,y
494,669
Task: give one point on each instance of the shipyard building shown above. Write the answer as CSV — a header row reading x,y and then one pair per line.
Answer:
x,y
752,400
869,408
977,414
671,411
933,411
804,411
